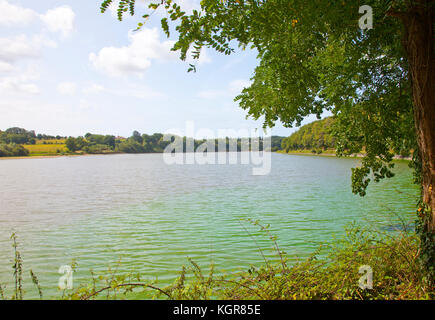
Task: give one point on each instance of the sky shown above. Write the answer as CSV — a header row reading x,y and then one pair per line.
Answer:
x,y
67,69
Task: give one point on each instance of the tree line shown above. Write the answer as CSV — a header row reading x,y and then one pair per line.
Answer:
x,y
13,139
156,143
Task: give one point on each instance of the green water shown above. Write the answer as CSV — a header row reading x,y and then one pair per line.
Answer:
x,y
152,216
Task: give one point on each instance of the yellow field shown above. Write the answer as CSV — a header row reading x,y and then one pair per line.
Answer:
x,y
45,149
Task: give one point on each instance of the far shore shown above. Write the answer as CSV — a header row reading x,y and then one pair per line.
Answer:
x,y
330,154
296,153
57,156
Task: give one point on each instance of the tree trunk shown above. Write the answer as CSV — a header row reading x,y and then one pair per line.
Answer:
x,y
419,46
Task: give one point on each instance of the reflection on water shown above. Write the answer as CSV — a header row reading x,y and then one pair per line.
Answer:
x,y
97,209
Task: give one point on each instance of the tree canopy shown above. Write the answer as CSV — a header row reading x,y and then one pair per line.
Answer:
x,y
17,135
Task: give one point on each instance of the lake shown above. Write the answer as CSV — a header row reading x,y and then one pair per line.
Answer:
x,y
152,216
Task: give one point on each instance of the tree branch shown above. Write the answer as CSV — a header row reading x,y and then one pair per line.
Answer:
x,y
126,285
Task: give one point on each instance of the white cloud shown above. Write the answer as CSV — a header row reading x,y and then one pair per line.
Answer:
x,y
12,15
84,104
94,88
22,83
145,46
18,84
20,47
60,19
5,67
67,88
16,49
29,88
12,49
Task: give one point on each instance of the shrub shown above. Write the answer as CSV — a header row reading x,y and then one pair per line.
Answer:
x,y
13,150
97,149
131,146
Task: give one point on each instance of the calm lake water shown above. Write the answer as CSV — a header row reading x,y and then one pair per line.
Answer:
x,y
152,216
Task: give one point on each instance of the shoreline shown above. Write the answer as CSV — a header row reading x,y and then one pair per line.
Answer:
x,y
70,155
357,156
56,156
294,153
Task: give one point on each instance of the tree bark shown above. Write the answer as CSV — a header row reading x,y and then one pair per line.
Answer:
x,y
419,46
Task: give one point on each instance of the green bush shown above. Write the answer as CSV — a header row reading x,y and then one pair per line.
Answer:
x,y
97,149
13,150
131,146
75,144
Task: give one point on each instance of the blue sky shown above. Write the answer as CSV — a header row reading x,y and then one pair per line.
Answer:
x,y
67,69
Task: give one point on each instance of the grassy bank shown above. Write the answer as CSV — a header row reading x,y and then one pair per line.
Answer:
x,y
332,272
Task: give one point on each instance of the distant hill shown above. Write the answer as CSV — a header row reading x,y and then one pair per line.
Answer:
x,y
314,137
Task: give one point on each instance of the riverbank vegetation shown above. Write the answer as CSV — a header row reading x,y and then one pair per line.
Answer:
x,y
157,142
12,150
315,137
394,260
325,137
331,272
20,142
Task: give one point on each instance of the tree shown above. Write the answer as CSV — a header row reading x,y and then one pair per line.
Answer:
x,y
12,150
18,136
75,144
100,139
70,143
136,136
109,140
131,146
